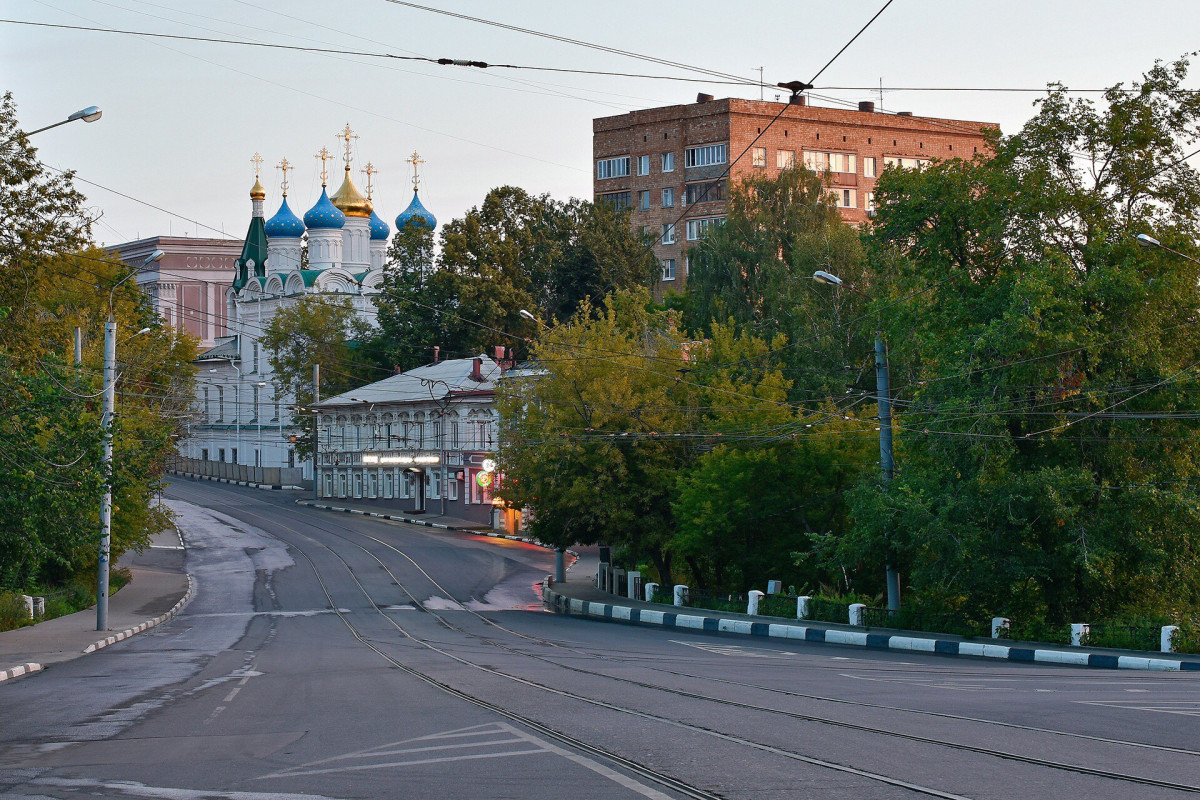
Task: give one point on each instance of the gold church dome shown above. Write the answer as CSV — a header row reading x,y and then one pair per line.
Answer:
x,y
350,200
257,192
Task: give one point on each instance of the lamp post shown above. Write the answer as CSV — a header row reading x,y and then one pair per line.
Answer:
x,y
89,114
883,396
258,421
106,417
1149,242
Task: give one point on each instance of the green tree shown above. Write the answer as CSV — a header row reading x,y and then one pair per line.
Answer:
x,y
1046,366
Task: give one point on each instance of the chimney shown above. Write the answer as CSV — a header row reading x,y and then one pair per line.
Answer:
x,y
703,98
498,353
867,106
436,350
477,370
796,100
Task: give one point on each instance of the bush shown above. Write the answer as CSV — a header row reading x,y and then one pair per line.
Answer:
x,y
13,613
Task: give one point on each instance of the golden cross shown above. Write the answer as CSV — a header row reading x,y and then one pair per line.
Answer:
x,y
256,160
369,170
415,160
284,166
348,135
324,155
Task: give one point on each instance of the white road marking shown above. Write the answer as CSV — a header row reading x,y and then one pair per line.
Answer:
x,y
135,789
1187,708
232,694
735,650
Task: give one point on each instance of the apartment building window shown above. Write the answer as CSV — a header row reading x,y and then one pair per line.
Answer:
x,y
869,167
697,227
668,162
643,165
704,192
819,161
220,405
786,159
668,197
612,168
871,204
705,155
845,198
668,269
668,233
644,200
758,157
905,163
620,200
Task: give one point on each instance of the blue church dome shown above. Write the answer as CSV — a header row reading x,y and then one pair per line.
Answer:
x,y
324,214
416,214
379,228
284,224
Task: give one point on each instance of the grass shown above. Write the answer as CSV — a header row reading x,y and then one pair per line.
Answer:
x,y
60,600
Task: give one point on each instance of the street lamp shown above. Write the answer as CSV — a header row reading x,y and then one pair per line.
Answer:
x,y
106,416
89,114
1149,242
887,467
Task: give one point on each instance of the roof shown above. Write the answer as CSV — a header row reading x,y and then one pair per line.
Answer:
x,y
430,382
225,349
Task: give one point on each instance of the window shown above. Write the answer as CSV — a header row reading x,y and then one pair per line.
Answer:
x,y
845,198
643,165
705,155
869,167
452,486
668,198
905,163
668,269
758,157
842,162
257,458
207,409
612,168
668,233
668,162
819,161
254,357
233,451
786,159
221,454
697,227
220,405
204,454
870,204
620,200
644,200
254,410
705,192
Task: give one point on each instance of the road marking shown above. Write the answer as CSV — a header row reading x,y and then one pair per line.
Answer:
x,y
135,789
165,547
232,694
735,650
1187,708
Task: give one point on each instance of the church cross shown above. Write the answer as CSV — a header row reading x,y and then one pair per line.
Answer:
x,y
284,166
256,160
324,155
348,135
370,171
416,161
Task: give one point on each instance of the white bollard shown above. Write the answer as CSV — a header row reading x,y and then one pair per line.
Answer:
x,y
28,604
633,578
1001,627
774,587
681,594
1079,632
651,590
802,607
752,603
1166,641
602,575
856,613
39,607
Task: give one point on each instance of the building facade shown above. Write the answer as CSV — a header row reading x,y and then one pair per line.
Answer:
x,y
669,165
421,442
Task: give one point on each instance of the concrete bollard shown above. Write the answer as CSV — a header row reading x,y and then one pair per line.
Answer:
x,y
857,611
39,607
1079,632
602,575
1001,627
802,607
681,594
752,603
634,579
617,575
1166,640
651,590
28,604
774,587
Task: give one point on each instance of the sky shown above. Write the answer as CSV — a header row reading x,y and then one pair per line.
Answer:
x,y
182,119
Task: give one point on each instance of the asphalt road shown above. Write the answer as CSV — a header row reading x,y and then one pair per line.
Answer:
x,y
330,655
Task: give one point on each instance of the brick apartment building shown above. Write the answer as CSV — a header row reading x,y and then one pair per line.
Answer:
x,y
667,163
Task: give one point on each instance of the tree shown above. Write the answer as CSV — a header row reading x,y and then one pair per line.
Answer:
x,y
1047,458
317,330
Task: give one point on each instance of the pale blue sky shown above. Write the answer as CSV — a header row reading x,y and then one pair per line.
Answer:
x,y
182,119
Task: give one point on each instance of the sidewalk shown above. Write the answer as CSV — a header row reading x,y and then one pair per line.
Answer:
x,y
385,510
578,596
158,589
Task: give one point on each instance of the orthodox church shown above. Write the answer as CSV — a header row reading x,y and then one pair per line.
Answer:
x,y
246,424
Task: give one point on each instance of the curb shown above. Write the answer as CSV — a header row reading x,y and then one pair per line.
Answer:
x,y
125,634
427,524
569,606
250,484
16,672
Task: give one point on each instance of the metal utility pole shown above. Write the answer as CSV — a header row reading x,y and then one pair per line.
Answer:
x,y
110,380
887,467
78,346
316,426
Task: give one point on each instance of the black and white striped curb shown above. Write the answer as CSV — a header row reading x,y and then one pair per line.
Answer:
x,y
428,524
250,484
18,671
562,604
150,623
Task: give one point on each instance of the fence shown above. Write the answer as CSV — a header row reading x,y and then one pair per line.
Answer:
x,y
269,476
912,618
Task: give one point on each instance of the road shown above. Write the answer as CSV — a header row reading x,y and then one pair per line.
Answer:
x,y
336,656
